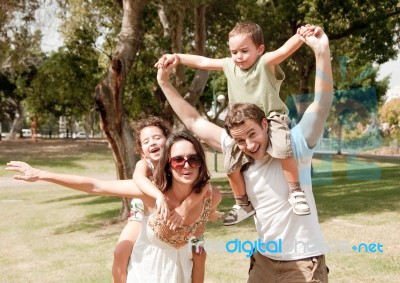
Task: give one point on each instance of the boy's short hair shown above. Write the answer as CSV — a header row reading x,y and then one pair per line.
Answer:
x,y
249,29
238,113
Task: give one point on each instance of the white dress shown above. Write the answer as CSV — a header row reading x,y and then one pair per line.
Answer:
x,y
169,260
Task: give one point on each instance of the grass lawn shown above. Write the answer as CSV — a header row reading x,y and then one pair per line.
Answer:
x,y
51,234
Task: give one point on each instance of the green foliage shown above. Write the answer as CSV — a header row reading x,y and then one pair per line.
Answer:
x,y
361,32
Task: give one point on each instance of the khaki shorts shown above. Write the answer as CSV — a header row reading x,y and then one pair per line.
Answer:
x,y
279,145
265,270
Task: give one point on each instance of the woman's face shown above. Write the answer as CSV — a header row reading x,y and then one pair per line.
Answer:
x,y
153,143
184,162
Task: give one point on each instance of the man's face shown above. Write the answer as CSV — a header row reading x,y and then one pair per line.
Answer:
x,y
252,138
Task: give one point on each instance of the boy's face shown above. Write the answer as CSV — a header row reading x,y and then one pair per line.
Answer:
x,y
153,143
244,52
252,138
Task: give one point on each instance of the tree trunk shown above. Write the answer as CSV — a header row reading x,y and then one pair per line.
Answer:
x,y
303,101
109,93
172,18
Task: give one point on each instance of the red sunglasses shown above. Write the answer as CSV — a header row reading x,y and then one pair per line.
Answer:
x,y
178,162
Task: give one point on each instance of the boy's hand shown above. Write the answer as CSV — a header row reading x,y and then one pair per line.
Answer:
x,y
30,174
163,73
314,37
166,60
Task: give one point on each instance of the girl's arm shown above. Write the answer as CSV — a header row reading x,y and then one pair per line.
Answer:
x,y
121,188
194,61
141,178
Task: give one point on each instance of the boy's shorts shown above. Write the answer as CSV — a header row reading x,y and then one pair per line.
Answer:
x,y
279,145
137,210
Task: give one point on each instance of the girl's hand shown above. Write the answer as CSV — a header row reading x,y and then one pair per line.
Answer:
x,y
162,207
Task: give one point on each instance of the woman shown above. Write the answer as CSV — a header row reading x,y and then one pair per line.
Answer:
x,y
161,254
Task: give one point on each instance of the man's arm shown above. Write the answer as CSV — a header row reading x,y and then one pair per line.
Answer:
x,y
205,130
314,118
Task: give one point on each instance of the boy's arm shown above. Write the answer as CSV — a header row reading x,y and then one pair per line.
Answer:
x,y
194,61
141,178
285,51
313,122
208,132
200,62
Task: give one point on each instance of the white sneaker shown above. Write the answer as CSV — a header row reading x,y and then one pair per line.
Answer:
x,y
238,213
299,203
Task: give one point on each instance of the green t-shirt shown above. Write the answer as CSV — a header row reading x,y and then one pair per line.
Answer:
x,y
256,85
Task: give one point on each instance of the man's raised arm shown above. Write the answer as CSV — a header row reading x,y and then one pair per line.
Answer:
x,y
313,121
205,130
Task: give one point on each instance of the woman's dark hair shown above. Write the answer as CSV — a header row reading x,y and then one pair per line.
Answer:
x,y
162,174
149,122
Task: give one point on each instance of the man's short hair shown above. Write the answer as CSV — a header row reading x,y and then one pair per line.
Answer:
x,y
238,113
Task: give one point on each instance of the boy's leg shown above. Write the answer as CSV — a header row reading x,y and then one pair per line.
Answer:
x,y
280,147
242,208
297,197
199,266
123,250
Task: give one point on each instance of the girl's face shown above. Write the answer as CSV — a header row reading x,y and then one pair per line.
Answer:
x,y
184,162
153,143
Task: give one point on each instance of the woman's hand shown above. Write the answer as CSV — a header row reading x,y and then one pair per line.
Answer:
x,y
30,174
175,220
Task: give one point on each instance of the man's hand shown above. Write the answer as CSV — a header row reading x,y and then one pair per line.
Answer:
x,y
30,174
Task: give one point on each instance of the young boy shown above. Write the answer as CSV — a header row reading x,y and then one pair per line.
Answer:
x,y
254,77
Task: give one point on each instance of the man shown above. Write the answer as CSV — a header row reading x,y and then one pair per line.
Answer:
x,y
301,258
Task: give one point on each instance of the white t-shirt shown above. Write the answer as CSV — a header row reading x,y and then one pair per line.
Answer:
x,y
283,234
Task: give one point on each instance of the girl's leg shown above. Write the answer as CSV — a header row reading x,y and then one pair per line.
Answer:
x,y
199,266
123,250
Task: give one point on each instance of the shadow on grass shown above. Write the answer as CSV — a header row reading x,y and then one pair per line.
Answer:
x,y
91,222
357,191
360,187
70,162
348,192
